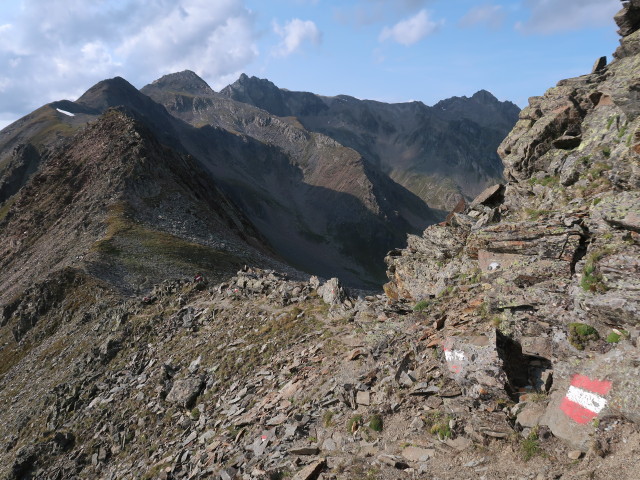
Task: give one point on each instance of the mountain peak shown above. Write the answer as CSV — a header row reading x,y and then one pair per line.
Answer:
x,y
108,93
186,81
259,92
485,97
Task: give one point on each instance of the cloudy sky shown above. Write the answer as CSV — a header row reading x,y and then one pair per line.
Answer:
x,y
389,50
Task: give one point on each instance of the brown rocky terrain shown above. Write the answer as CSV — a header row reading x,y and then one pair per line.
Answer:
x,y
504,347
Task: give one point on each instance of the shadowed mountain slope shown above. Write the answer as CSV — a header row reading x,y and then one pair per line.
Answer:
x,y
436,152
320,204
115,202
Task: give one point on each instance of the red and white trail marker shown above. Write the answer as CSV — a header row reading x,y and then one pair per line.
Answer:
x,y
585,398
454,359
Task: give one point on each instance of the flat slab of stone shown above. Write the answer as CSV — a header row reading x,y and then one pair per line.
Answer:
x,y
489,196
311,471
184,392
363,398
418,454
304,451
531,414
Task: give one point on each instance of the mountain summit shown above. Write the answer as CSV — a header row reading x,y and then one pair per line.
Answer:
x,y
184,82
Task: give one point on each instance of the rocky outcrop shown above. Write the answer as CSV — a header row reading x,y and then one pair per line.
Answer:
x,y
555,267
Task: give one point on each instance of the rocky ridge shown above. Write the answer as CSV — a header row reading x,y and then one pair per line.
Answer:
x,y
505,345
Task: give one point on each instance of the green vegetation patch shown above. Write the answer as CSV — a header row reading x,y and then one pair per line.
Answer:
x,y
548,181
140,248
420,306
592,280
530,446
580,334
616,336
375,423
438,424
613,337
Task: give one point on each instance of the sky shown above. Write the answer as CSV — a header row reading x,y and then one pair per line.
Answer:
x,y
386,50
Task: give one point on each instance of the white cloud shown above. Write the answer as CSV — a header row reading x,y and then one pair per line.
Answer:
x,y
59,48
4,83
409,31
294,33
212,40
491,15
551,16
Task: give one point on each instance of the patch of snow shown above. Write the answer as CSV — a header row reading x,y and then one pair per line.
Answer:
x,y
66,113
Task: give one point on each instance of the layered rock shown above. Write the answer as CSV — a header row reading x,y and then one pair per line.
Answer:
x,y
555,268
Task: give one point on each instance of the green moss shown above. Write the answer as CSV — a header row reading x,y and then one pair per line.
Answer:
x,y
580,334
375,423
613,337
548,181
606,151
420,306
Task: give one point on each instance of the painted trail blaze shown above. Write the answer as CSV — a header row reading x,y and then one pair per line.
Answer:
x,y
585,398
454,359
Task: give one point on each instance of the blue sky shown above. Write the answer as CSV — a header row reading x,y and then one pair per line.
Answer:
x,y
388,50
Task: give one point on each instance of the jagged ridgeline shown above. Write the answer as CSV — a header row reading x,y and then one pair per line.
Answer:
x,y
152,323
323,200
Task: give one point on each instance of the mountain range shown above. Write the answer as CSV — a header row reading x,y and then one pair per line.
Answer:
x,y
325,185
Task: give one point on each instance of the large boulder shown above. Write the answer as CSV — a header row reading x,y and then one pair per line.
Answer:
x,y
606,386
486,366
185,391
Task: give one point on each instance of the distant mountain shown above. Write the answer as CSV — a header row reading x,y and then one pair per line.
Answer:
x,y
321,205
436,152
205,176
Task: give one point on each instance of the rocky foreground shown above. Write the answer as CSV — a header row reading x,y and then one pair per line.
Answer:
x,y
504,347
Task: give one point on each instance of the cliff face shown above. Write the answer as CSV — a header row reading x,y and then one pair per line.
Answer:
x,y
552,259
